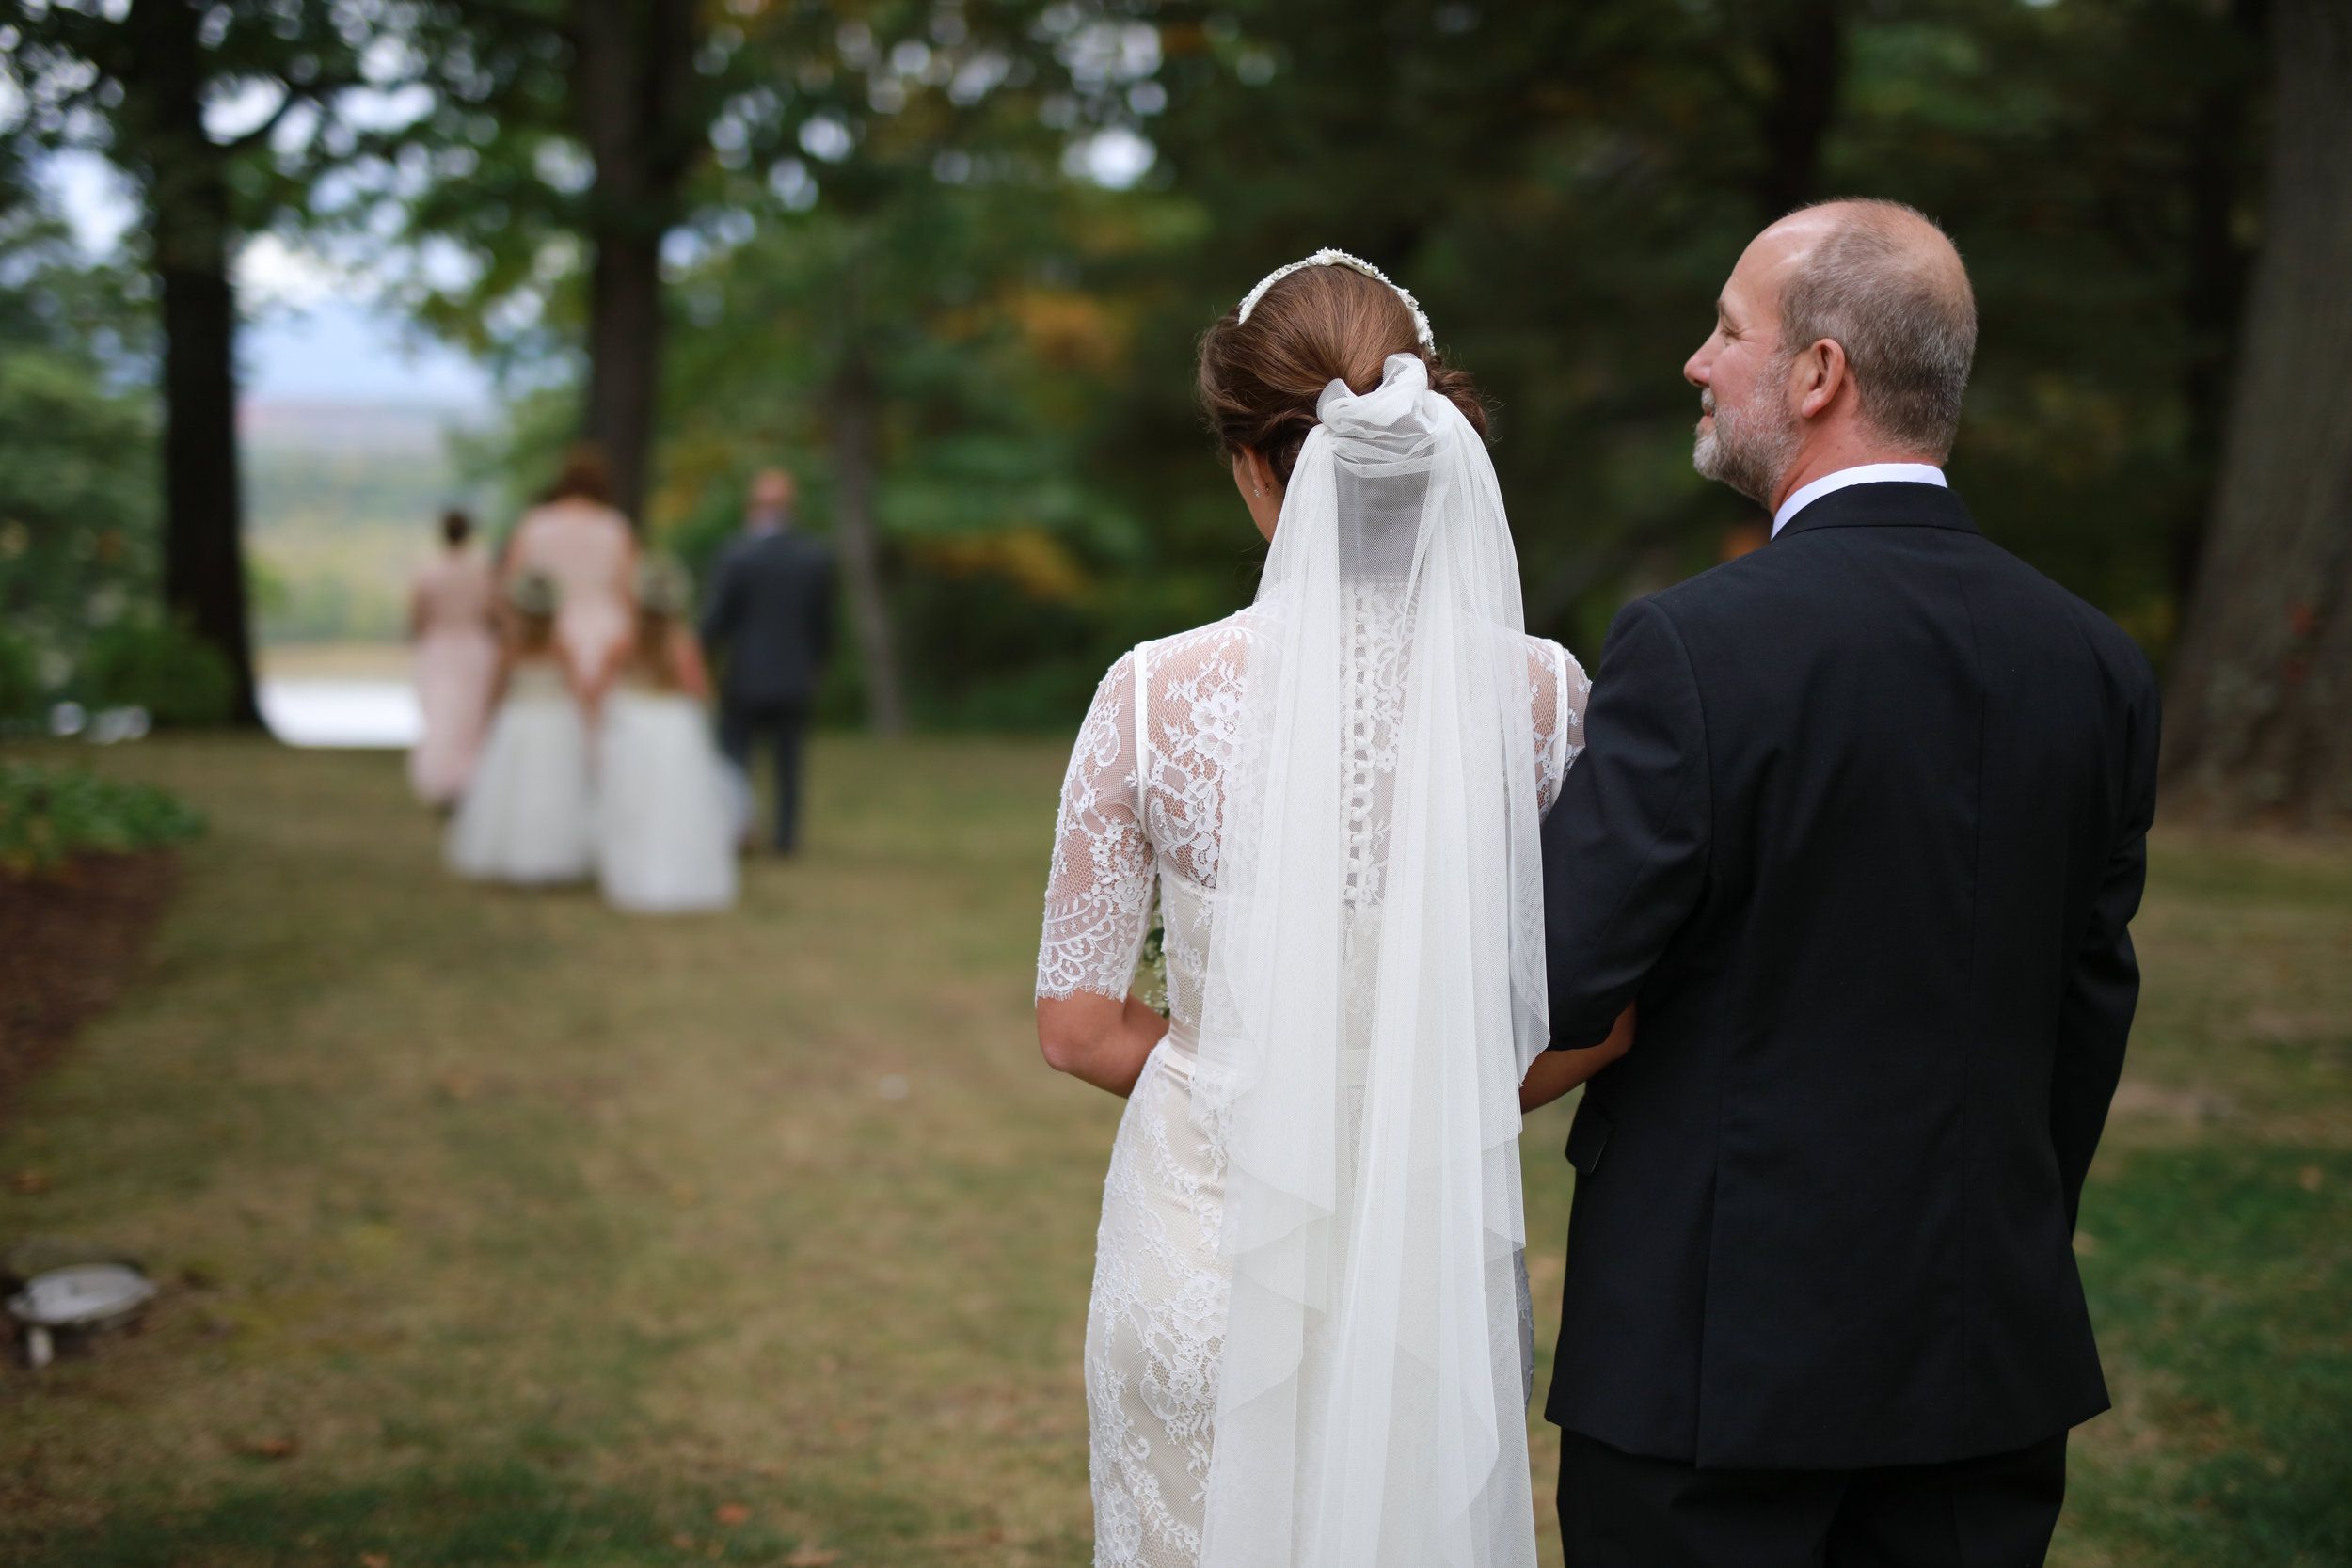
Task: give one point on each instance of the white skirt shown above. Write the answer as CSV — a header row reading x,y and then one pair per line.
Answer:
x,y
665,821
1155,1325
525,816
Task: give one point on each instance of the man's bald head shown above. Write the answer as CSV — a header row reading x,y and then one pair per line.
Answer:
x,y
1885,284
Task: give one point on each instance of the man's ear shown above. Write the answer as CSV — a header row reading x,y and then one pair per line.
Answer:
x,y
1820,372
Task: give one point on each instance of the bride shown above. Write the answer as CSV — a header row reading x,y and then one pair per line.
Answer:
x,y
1305,1345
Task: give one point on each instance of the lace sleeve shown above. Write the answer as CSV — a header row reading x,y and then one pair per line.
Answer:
x,y
1099,893
1559,690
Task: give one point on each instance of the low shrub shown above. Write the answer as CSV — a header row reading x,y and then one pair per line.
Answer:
x,y
50,815
159,666
19,679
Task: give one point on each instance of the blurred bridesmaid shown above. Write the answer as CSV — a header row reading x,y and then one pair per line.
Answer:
x,y
666,821
575,537
456,663
527,815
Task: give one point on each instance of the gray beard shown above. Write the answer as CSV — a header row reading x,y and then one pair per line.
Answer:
x,y
1746,451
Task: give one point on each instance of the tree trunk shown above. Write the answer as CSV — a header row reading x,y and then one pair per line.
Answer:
x,y
625,340
2212,294
2259,721
203,558
1804,44
854,418
187,209
634,96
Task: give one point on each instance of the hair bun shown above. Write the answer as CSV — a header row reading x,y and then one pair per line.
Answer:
x,y
1308,327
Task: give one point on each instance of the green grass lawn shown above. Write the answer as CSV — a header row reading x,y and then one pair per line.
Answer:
x,y
502,1228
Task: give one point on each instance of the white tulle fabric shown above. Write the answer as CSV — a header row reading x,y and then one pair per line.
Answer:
x,y
1304,1345
1374,993
527,815
665,808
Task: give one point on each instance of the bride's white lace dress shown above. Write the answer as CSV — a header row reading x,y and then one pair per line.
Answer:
x,y
1141,810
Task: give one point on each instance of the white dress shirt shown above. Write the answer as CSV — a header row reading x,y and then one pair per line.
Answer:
x,y
1868,473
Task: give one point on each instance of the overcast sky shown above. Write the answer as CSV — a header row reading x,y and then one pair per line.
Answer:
x,y
307,339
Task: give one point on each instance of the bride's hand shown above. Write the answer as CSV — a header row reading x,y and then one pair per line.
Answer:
x,y
1555,1073
1095,1039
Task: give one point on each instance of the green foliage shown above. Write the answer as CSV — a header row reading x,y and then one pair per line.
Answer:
x,y
50,815
77,506
19,679
157,665
78,528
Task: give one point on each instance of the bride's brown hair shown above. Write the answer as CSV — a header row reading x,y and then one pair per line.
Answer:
x,y
1259,378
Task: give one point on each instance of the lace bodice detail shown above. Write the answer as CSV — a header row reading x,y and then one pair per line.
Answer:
x,y
1143,799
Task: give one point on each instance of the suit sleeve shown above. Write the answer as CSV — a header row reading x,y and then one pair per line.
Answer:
x,y
1626,848
2103,977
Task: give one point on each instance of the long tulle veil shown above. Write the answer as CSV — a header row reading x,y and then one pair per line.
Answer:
x,y
1373,995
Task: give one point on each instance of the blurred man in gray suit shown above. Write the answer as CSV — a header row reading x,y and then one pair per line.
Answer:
x,y
770,618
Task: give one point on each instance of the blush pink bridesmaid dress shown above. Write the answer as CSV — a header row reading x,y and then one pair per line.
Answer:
x,y
456,660
589,551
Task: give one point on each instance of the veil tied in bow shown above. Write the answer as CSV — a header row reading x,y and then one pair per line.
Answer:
x,y
1374,993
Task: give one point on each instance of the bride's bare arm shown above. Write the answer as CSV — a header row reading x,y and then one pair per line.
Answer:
x,y
1097,1039
1556,1072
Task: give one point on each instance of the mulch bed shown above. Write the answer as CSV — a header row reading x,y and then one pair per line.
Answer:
x,y
68,943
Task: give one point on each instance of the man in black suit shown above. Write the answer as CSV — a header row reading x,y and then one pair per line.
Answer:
x,y
770,615
1859,828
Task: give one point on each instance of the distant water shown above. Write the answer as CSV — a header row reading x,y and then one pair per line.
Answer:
x,y
343,713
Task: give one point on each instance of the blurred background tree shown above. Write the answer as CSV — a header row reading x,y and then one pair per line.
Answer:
x,y
2261,717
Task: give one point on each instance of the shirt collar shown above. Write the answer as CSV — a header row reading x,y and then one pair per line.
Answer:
x,y
1866,473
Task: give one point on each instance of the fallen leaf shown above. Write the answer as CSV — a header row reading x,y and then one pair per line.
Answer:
x,y
269,1448
732,1514
810,1557
30,1182
374,1560
2312,1176
683,1542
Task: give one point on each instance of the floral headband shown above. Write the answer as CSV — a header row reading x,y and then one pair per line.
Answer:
x,y
1328,258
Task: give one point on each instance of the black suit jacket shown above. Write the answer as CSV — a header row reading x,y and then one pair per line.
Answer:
x,y
770,610
1861,823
